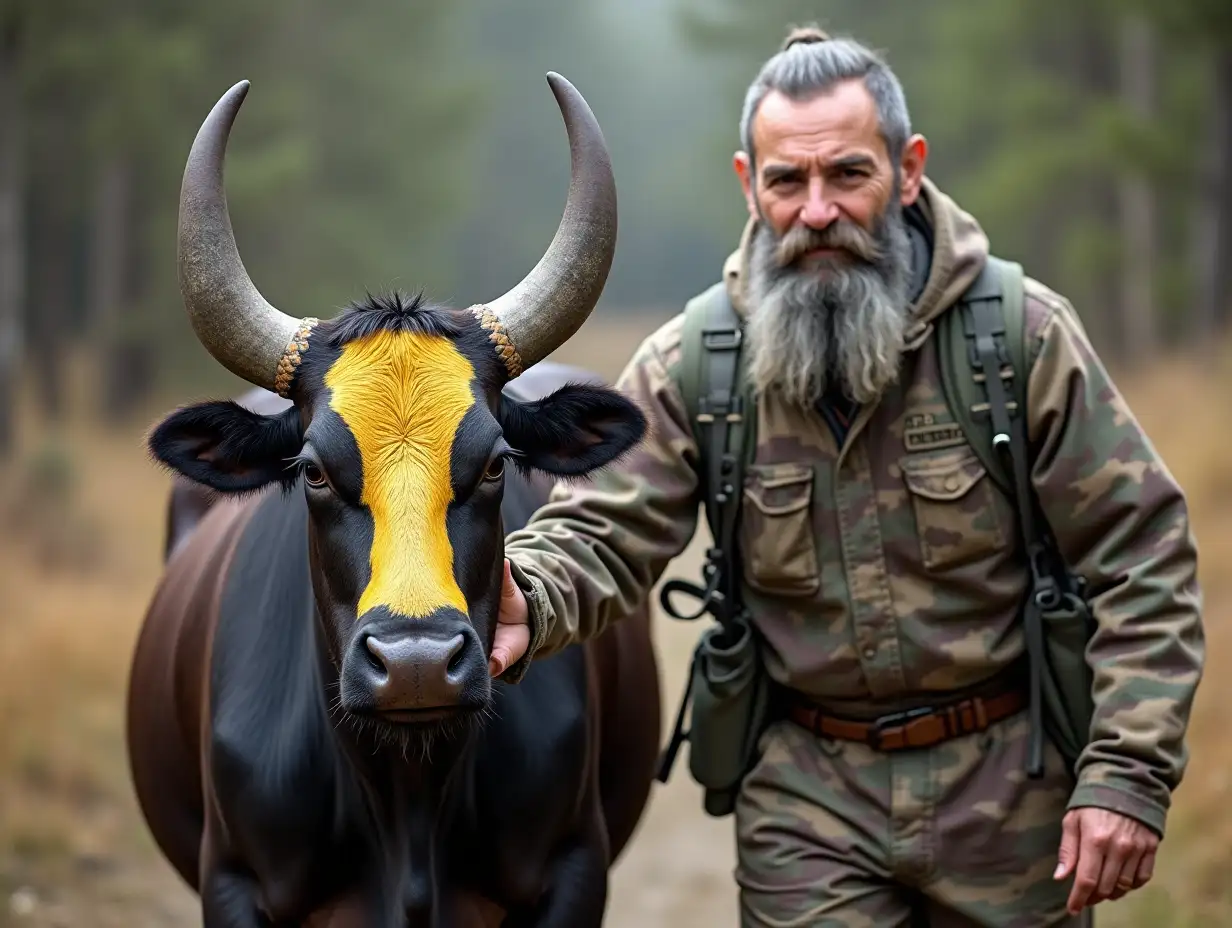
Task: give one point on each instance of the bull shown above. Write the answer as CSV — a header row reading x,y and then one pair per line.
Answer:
x,y
314,734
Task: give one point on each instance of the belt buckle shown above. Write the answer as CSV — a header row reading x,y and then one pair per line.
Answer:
x,y
892,720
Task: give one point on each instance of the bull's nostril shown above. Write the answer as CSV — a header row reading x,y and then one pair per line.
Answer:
x,y
373,656
457,657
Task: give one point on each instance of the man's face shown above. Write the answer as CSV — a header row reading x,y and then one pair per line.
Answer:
x,y
822,161
830,260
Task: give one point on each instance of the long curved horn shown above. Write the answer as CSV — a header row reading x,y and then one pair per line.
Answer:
x,y
233,321
542,311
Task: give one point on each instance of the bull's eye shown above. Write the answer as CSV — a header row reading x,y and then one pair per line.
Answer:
x,y
313,476
496,467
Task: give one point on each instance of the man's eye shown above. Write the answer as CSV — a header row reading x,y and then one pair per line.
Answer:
x,y
313,476
495,469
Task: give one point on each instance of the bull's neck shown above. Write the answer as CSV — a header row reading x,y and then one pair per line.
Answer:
x,y
411,790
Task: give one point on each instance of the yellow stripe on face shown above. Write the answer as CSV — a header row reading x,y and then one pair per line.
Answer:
x,y
403,396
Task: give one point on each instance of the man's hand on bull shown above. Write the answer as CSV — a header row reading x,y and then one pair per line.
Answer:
x,y
1109,853
512,627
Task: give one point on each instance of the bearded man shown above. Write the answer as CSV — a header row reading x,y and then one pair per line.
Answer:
x,y
883,574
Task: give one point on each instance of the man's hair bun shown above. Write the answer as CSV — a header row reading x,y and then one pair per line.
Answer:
x,y
804,35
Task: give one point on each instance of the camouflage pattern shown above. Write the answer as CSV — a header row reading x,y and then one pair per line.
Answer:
x,y
831,834
888,571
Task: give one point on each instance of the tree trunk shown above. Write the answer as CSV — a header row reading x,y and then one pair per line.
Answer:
x,y
50,298
1213,237
122,376
1094,65
12,234
1137,198
1223,162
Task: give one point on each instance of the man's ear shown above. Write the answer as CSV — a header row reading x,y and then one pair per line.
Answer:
x,y
227,447
915,159
573,431
742,164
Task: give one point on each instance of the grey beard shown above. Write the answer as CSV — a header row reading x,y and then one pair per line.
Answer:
x,y
841,321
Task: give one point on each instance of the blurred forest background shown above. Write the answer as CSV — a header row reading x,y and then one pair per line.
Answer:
x,y
415,144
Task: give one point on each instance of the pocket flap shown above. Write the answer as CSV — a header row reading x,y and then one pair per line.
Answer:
x,y
777,489
945,477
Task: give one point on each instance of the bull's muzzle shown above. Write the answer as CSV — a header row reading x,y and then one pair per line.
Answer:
x,y
414,670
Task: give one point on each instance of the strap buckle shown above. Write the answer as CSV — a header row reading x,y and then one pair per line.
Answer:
x,y
1045,590
726,339
879,726
725,406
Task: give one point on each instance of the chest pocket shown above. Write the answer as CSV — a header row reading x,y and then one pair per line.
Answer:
x,y
777,541
958,517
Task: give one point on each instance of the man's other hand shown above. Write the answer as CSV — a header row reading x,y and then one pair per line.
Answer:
x,y
1109,853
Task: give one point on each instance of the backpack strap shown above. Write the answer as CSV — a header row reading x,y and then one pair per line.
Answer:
x,y
716,396
996,297
712,383
710,368
984,374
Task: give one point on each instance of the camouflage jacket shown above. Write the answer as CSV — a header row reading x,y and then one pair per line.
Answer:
x,y
890,568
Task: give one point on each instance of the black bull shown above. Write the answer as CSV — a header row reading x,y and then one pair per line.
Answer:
x,y
239,767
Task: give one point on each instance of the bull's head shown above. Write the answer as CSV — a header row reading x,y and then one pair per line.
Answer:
x,y
399,434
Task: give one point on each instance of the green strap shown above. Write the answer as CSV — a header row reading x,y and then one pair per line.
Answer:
x,y
711,381
999,290
984,370
1009,439
711,384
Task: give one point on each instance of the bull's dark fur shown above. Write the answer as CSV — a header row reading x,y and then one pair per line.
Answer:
x,y
311,815
229,448
393,312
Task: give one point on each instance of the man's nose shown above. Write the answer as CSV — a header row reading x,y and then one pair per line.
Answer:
x,y
818,210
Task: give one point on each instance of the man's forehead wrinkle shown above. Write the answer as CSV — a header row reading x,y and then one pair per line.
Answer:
x,y
788,164
845,116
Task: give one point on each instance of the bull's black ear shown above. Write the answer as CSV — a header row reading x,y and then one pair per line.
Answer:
x,y
227,447
572,431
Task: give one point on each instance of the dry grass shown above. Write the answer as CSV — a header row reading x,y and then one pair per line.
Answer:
x,y
73,850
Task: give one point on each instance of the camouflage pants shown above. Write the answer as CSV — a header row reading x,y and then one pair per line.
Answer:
x,y
832,833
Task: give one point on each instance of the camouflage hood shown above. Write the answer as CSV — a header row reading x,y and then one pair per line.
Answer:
x,y
956,253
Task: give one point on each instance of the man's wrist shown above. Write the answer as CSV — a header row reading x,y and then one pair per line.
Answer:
x,y
538,618
1119,799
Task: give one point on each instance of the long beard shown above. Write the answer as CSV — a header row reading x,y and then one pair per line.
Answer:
x,y
822,321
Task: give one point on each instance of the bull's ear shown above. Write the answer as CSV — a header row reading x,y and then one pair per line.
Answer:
x,y
572,431
227,447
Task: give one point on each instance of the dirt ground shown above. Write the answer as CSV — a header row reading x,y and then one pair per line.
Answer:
x,y
74,851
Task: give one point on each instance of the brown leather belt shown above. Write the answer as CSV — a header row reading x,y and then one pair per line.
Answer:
x,y
914,728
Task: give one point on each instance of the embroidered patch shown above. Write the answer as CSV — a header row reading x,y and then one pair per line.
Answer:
x,y
924,433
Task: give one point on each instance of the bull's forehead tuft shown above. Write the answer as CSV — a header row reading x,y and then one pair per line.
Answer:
x,y
403,396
